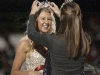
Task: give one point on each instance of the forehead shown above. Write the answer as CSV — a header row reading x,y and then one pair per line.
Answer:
x,y
45,14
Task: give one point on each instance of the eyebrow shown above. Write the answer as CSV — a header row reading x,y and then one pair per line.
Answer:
x,y
44,17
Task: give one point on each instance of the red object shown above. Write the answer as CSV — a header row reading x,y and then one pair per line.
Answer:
x,y
41,67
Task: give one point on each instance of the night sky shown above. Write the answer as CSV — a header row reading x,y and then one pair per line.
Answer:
x,y
25,5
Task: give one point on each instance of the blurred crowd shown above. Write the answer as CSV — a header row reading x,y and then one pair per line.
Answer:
x,y
92,27
7,54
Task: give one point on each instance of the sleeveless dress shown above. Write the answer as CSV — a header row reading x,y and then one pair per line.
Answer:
x,y
33,60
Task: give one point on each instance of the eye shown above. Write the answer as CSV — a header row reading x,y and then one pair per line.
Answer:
x,y
50,19
42,18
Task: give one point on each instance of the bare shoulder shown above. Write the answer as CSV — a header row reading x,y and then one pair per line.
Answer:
x,y
23,45
24,42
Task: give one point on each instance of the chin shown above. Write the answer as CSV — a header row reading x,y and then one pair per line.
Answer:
x,y
45,31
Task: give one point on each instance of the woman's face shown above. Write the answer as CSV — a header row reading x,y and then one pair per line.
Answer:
x,y
44,22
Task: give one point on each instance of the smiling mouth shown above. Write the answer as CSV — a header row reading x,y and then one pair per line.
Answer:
x,y
45,26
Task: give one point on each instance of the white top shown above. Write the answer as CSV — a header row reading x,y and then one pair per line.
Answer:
x,y
34,59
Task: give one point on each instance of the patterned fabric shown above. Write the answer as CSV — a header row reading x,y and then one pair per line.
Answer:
x,y
47,67
33,60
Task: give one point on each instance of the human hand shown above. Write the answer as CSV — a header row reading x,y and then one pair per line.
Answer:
x,y
35,7
35,73
41,72
55,8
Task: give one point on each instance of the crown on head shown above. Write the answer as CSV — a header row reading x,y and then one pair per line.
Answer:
x,y
45,3
68,0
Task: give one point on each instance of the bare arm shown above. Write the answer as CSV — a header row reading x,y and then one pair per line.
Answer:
x,y
19,59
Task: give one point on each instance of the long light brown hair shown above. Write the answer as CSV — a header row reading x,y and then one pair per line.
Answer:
x,y
71,29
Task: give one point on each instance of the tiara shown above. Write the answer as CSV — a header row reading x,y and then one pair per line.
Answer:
x,y
68,0
45,4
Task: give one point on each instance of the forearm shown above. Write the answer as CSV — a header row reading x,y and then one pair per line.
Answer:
x,y
19,72
24,72
31,28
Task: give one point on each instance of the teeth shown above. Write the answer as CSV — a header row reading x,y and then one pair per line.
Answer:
x,y
45,26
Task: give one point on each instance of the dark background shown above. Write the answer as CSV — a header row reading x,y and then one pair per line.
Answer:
x,y
16,11
25,5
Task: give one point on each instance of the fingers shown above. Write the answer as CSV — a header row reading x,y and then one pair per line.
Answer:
x,y
53,4
35,7
36,2
40,4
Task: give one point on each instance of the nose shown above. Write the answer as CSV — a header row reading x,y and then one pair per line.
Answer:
x,y
46,21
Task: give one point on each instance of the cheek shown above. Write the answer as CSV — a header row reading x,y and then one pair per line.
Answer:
x,y
39,23
39,27
50,23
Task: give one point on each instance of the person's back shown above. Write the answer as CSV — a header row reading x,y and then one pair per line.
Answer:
x,y
63,65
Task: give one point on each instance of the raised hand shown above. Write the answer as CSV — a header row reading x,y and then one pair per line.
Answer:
x,y
55,8
35,7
